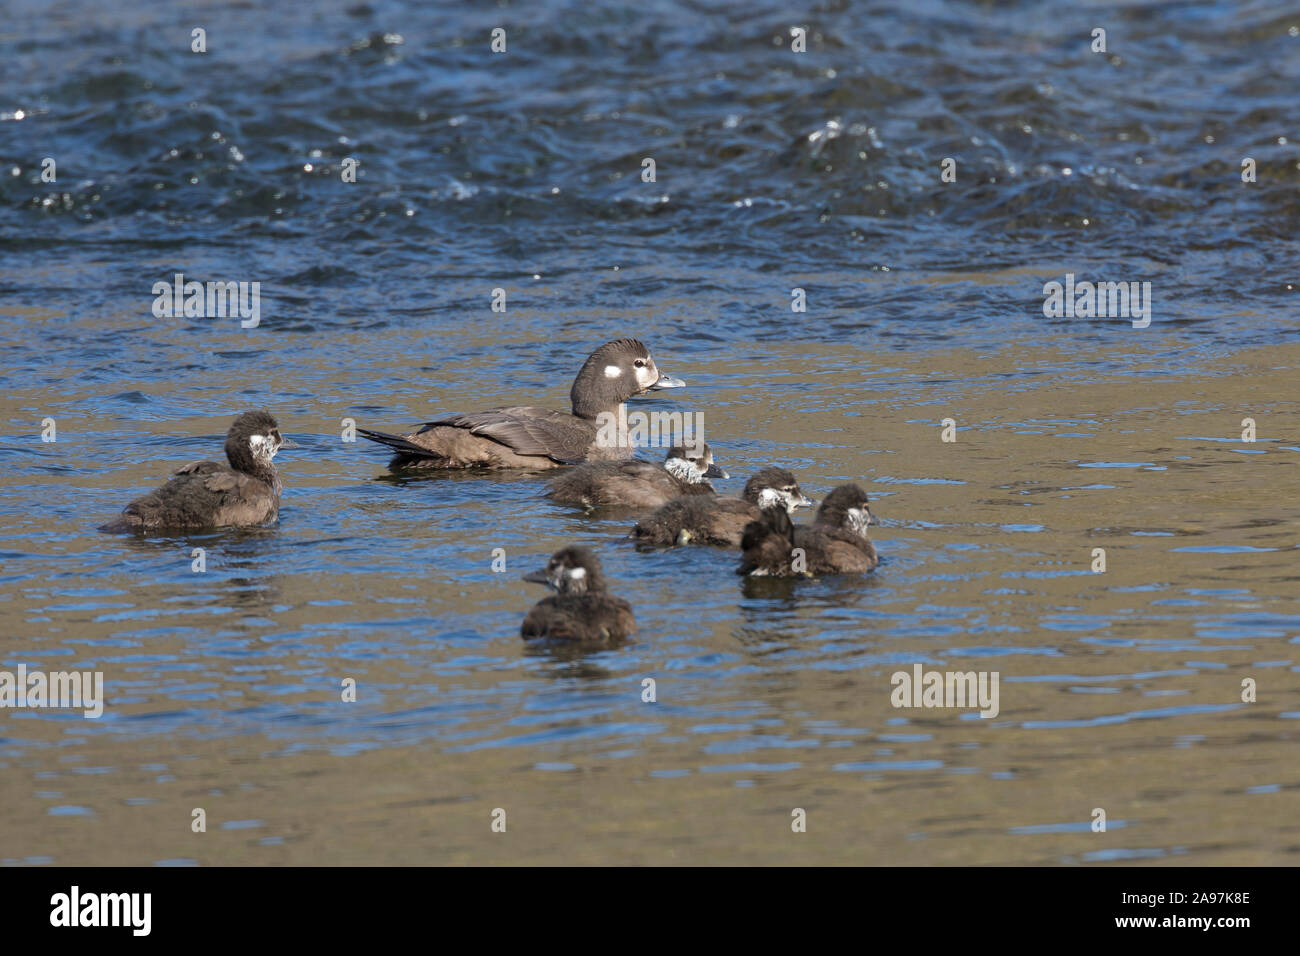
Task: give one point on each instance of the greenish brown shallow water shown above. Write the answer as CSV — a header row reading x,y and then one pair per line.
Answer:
x,y
1118,690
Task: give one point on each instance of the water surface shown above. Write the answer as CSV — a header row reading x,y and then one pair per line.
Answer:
x,y
1119,690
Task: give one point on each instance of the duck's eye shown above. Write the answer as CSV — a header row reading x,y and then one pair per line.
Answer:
x,y
275,434
639,363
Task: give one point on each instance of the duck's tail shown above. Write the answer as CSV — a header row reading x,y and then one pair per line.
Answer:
x,y
405,448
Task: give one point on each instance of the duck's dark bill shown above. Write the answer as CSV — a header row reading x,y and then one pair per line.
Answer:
x,y
715,472
537,577
667,381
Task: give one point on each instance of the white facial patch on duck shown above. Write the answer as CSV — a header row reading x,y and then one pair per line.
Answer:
x,y
770,497
575,580
263,446
684,470
646,374
613,371
859,520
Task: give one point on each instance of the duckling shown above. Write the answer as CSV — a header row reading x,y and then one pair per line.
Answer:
x,y
639,484
836,542
208,494
524,436
720,521
581,610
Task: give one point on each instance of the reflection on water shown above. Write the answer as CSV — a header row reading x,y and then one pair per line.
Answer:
x,y
1120,689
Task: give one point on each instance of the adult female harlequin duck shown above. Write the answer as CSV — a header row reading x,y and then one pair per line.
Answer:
x,y
525,436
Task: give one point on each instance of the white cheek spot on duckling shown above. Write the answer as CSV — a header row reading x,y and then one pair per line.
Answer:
x,y
613,371
263,446
577,574
683,470
770,497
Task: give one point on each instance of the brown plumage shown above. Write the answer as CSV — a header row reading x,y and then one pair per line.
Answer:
x,y
208,494
638,484
720,521
526,436
581,611
835,543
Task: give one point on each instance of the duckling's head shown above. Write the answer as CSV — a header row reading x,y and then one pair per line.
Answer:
x,y
571,570
253,440
693,464
846,507
771,487
614,373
